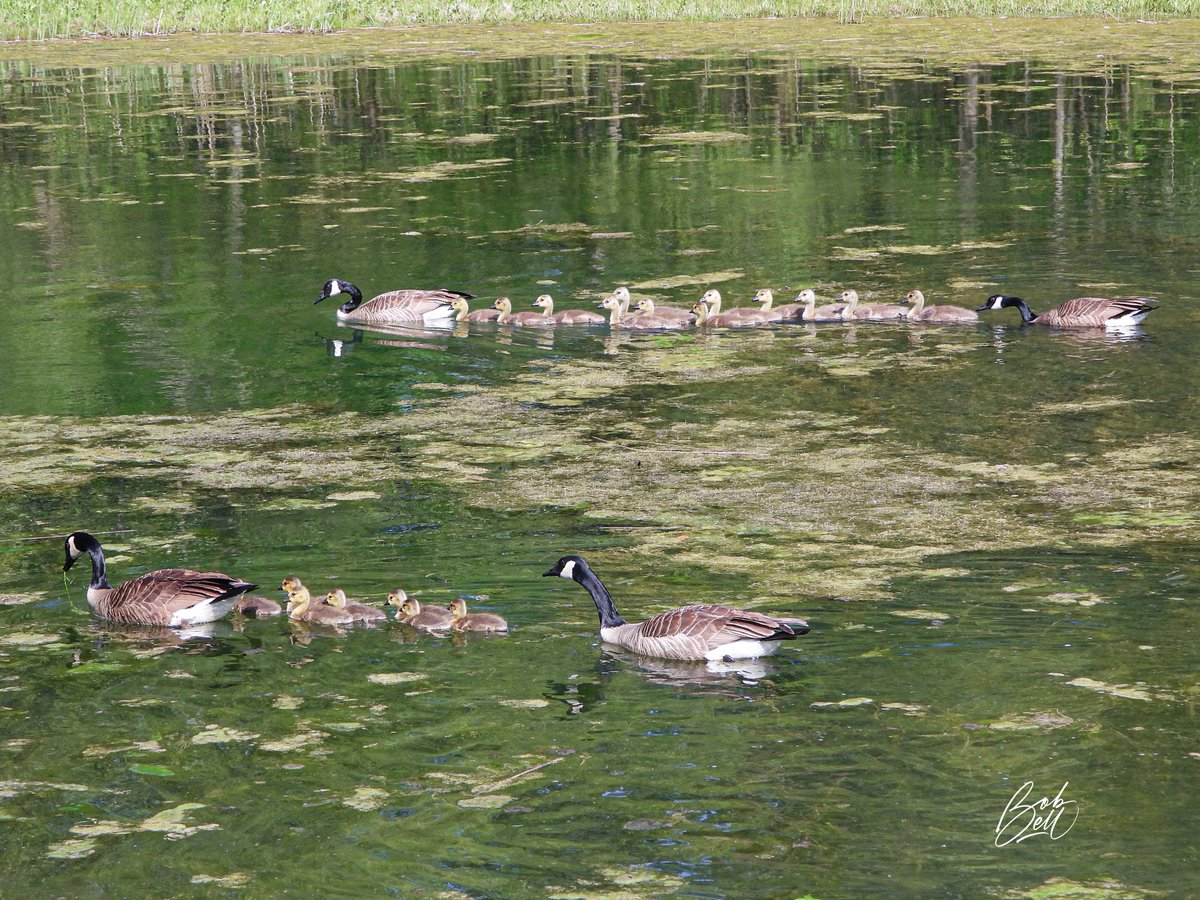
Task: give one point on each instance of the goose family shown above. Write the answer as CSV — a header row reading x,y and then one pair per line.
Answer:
x,y
174,597
420,308
700,631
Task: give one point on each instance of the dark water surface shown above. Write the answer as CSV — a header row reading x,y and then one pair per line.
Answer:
x,y
990,527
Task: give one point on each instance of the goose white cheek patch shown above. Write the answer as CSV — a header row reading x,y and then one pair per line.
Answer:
x,y
568,571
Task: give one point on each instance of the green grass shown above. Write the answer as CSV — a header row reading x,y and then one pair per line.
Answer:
x,y
42,19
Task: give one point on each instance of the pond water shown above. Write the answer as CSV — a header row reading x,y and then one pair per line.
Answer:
x,y
989,527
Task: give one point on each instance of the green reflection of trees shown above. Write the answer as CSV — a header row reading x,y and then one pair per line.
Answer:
x,y
167,219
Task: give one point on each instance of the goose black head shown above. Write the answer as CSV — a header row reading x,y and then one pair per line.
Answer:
x,y
999,301
571,567
77,544
335,286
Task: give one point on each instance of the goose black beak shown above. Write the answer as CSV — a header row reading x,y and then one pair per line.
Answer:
x,y
67,565
319,299
549,574
985,306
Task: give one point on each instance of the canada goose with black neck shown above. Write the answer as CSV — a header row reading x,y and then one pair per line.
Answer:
x,y
1082,312
700,631
174,597
407,307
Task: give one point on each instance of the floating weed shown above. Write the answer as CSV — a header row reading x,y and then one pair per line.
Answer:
x,y
232,880
1138,691
866,229
848,703
297,741
675,281
1036,720
486,801
173,822
109,750
214,734
670,136
366,799
908,709
1066,889
77,848
395,677
27,639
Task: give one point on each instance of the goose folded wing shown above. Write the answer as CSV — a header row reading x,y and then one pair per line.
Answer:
x,y
1098,310
167,591
716,625
417,298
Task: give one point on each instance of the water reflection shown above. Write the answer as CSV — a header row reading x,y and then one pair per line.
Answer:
x,y
677,673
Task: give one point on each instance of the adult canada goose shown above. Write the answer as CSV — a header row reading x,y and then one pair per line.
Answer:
x,y
431,618
508,317
361,611
766,299
410,307
174,597
464,314
474,621
1082,312
919,312
706,318
877,311
545,303
700,631
644,322
647,307
830,312
257,607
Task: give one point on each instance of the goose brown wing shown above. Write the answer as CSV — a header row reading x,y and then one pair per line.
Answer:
x,y
418,301
1095,310
716,625
156,596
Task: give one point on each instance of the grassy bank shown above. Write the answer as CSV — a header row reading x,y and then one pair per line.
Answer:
x,y
43,19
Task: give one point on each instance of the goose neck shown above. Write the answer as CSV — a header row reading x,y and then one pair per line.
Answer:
x,y
609,617
99,571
